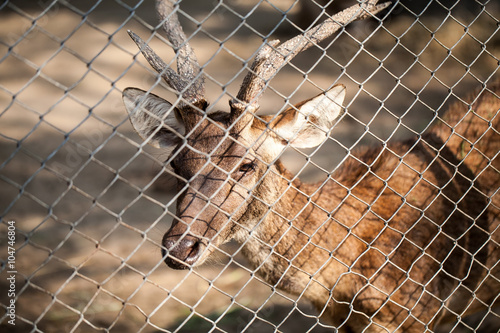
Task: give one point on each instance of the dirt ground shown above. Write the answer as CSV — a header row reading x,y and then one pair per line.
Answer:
x,y
90,203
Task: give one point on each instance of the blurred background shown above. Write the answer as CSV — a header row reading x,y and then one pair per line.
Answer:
x,y
90,202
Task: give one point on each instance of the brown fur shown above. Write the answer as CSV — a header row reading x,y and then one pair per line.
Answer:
x,y
393,242
396,237
399,237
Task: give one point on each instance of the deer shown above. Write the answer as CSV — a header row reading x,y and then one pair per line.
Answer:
x,y
400,237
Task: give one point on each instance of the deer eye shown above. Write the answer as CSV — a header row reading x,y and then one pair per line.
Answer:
x,y
247,167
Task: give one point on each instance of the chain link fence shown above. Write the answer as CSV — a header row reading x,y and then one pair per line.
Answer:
x,y
85,203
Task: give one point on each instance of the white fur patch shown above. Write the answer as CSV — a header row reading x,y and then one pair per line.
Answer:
x,y
314,119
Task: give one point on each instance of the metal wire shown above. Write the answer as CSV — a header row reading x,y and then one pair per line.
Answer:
x,y
85,202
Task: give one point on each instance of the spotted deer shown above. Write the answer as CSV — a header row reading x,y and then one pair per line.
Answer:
x,y
398,238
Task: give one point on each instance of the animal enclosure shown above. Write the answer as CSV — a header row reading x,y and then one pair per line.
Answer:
x,y
85,202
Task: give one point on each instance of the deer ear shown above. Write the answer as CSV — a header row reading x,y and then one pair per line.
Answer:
x,y
307,124
154,119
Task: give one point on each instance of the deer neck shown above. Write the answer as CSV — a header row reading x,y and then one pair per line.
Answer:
x,y
286,236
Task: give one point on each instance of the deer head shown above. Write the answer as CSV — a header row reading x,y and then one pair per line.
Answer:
x,y
227,163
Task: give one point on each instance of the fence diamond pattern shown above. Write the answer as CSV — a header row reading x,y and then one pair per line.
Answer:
x,y
85,202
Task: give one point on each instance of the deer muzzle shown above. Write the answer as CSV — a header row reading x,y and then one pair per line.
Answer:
x,y
198,224
182,252
185,245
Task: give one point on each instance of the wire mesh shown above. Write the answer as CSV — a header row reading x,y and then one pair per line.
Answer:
x,y
85,202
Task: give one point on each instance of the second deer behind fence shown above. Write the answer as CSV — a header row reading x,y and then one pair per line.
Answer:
x,y
400,237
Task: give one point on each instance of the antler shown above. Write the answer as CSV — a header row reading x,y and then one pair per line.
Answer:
x,y
189,81
271,59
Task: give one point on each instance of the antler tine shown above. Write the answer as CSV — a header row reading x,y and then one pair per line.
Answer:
x,y
173,79
270,60
188,81
187,63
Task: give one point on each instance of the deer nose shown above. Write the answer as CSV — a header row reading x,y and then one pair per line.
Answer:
x,y
181,253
